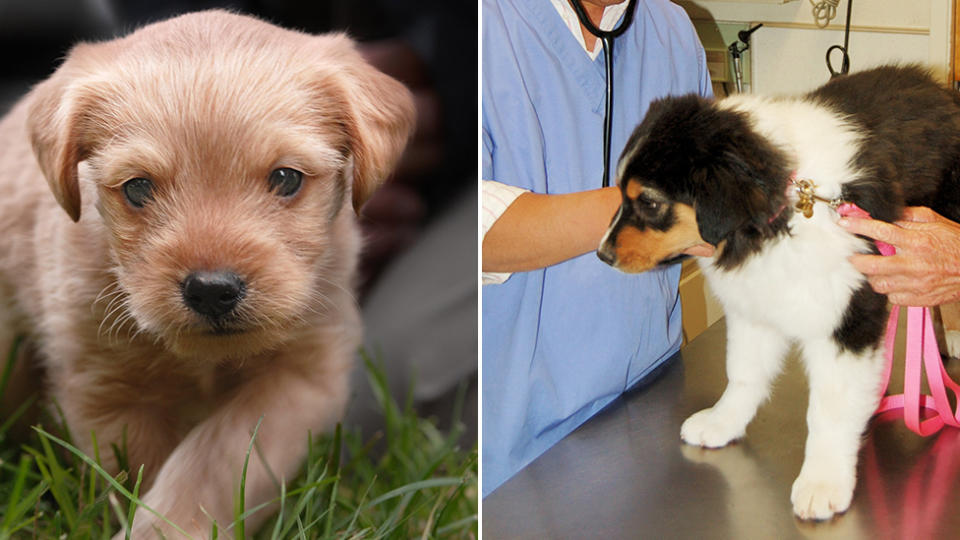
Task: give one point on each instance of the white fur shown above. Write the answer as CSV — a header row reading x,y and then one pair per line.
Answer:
x,y
952,340
606,235
797,290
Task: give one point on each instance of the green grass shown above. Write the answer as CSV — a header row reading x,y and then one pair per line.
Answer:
x,y
409,480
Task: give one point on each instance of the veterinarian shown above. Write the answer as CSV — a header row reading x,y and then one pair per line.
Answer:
x,y
563,333
926,268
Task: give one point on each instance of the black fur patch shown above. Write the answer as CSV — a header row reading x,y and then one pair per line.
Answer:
x,y
864,321
911,139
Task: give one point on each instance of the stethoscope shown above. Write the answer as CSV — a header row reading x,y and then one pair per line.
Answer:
x,y
606,37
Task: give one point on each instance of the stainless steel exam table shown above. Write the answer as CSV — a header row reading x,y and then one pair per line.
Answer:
x,y
625,473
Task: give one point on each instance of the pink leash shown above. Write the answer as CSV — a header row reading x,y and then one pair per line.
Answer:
x,y
921,351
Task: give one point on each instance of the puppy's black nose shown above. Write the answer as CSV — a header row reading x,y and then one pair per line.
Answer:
x,y
213,293
606,255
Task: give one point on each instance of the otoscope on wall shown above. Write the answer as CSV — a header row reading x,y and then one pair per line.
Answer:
x,y
736,50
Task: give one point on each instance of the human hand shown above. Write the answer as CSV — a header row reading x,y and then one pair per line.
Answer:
x,y
925,271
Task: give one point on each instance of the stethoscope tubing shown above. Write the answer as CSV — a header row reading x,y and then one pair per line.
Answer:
x,y
606,37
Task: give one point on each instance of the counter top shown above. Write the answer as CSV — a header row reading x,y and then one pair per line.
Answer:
x,y
625,473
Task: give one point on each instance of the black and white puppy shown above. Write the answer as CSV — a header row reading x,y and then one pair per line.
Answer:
x,y
727,173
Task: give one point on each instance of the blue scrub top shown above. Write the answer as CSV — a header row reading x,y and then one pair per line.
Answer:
x,y
562,342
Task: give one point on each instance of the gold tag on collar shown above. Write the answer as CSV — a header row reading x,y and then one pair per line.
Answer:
x,y
805,190
805,206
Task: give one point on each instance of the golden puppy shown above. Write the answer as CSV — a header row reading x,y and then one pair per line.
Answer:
x,y
196,273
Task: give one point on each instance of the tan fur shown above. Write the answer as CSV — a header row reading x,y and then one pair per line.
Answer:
x,y
638,251
633,189
206,105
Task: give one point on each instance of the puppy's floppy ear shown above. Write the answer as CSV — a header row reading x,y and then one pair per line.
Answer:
x,y
59,125
734,195
719,207
379,119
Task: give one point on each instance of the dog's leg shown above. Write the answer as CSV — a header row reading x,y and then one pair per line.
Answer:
x,y
950,319
122,412
7,332
754,358
25,376
8,402
200,479
844,393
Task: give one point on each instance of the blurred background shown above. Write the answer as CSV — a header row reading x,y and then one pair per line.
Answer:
x,y
418,285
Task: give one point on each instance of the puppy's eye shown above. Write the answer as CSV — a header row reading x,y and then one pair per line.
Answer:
x,y
647,204
138,191
285,182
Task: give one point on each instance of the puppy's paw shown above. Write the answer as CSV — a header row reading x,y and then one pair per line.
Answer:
x,y
952,339
819,495
149,527
710,429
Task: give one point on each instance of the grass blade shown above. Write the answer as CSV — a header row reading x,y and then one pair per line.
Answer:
x,y
335,464
133,505
240,521
10,515
412,487
106,476
16,414
96,457
8,366
58,488
279,521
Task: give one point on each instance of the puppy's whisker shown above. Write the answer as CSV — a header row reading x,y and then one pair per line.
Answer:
x,y
117,302
338,286
115,312
111,296
323,303
118,324
113,299
120,315
109,290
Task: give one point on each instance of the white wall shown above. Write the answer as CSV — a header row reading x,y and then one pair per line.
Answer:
x,y
788,53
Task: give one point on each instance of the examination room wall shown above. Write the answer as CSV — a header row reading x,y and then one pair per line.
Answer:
x,y
881,31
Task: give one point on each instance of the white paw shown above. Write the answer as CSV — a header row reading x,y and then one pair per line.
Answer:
x,y
819,495
709,429
952,338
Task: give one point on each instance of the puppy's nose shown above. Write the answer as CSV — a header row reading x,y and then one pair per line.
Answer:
x,y
213,293
606,255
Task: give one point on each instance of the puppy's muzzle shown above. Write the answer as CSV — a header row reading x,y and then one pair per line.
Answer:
x,y
213,294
